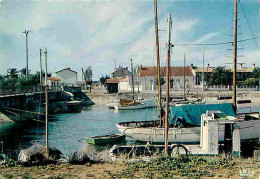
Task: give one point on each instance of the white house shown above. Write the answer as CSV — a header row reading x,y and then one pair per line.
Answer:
x,y
145,80
67,76
52,82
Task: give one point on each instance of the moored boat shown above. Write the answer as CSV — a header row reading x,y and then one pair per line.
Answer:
x,y
130,104
185,125
105,139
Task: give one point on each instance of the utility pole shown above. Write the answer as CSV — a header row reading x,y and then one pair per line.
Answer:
x,y
41,69
203,72
46,105
235,56
26,32
184,76
158,64
133,79
166,122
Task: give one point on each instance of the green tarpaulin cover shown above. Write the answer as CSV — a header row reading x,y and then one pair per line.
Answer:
x,y
192,113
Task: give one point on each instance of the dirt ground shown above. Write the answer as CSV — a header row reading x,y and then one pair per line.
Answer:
x,y
101,170
249,168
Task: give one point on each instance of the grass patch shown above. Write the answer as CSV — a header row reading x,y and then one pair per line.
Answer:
x,y
168,167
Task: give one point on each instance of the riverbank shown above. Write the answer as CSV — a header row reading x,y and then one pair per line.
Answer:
x,y
102,98
194,167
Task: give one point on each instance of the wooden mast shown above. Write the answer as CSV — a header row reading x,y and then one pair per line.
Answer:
x,y
203,75
46,106
133,79
158,63
41,69
235,56
166,121
184,76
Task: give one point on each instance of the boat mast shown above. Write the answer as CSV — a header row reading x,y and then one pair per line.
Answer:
x,y
41,69
46,106
166,121
158,63
203,75
133,79
235,56
184,76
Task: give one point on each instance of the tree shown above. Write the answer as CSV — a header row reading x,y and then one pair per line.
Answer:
x,y
251,81
162,80
220,76
256,73
88,77
103,79
12,73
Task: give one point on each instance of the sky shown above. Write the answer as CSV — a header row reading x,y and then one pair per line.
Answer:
x,y
98,33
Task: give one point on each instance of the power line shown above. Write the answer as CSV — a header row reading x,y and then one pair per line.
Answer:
x,y
247,21
220,43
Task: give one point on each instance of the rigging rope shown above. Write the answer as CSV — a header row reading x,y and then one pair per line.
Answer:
x,y
247,21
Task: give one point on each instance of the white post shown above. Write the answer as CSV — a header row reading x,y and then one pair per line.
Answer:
x,y
41,69
46,106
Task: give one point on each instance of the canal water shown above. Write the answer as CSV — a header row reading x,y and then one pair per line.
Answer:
x,y
67,132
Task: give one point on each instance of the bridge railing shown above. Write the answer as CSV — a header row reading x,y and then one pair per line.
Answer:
x,y
15,90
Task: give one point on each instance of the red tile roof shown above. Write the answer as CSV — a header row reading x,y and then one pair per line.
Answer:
x,y
174,71
53,79
113,80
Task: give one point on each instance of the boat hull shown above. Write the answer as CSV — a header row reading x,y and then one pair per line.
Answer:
x,y
248,130
6,126
6,123
100,141
142,105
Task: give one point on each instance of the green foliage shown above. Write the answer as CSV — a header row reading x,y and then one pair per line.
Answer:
x,y
103,79
162,80
88,75
12,73
167,167
13,81
251,81
220,76
256,73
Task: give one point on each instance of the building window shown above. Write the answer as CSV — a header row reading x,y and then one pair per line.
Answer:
x,y
171,83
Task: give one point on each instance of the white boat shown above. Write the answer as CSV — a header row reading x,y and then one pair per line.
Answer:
x,y
5,123
185,125
146,132
188,101
140,104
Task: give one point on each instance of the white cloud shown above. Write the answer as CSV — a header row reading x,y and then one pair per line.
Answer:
x,y
206,37
83,33
185,24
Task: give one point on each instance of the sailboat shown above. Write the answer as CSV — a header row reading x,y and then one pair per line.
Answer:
x,y
37,152
184,125
134,104
185,100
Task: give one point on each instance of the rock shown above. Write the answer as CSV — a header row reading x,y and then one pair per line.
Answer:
x,y
36,155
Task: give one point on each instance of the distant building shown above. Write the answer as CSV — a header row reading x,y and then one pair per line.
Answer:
x,y
146,79
112,85
67,77
52,82
120,72
242,73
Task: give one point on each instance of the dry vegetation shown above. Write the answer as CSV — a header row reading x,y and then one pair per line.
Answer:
x,y
194,167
